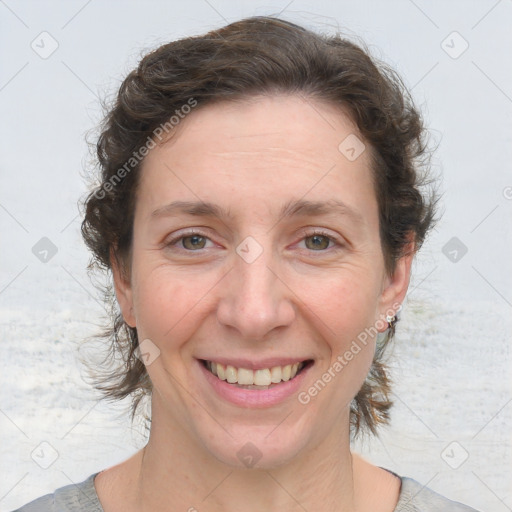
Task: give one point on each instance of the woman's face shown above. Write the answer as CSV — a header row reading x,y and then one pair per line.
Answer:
x,y
256,246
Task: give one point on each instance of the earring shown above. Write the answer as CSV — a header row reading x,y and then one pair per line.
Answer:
x,y
391,320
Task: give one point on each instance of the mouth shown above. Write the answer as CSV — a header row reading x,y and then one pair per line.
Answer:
x,y
256,379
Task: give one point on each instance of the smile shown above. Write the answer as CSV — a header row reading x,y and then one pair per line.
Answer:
x,y
251,383
263,378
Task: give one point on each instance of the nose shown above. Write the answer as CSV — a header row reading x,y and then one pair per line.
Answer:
x,y
255,301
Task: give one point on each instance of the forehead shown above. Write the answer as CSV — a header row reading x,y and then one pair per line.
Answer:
x,y
280,147
288,121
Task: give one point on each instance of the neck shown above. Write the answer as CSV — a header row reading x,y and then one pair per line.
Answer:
x,y
176,473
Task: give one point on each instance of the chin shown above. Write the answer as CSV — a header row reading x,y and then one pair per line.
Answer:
x,y
252,447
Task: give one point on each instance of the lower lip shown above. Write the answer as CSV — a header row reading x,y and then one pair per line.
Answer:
x,y
253,397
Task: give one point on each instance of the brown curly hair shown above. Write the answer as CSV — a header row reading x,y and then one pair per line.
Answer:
x,y
255,56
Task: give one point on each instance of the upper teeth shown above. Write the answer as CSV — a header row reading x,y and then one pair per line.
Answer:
x,y
245,376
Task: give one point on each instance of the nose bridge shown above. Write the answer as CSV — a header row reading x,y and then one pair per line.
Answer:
x,y
255,301
256,281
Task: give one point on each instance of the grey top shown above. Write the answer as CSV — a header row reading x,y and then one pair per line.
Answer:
x,y
83,498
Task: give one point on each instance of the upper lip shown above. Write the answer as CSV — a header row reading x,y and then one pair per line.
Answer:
x,y
253,364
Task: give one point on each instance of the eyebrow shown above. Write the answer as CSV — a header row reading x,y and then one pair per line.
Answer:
x,y
196,208
291,209
318,208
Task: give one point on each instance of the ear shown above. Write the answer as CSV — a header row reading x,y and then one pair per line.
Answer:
x,y
123,290
395,286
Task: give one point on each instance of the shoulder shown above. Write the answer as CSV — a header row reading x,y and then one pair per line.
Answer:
x,y
415,497
80,497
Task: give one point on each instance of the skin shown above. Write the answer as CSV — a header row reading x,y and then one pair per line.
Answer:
x,y
251,158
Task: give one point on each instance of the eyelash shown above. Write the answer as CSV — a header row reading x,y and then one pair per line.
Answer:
x,y
320,232
304,234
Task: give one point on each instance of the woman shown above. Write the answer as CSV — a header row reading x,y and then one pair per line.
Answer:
x,y
260,206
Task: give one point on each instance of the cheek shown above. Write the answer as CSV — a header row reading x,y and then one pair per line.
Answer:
x,y
344,304
166,306
344,313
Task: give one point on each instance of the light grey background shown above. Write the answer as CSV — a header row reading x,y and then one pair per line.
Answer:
x,y
46,309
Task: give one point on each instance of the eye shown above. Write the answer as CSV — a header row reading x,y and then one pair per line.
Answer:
x,y
190,242
319,241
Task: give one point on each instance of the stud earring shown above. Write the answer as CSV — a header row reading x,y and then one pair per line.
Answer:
x,y
391,320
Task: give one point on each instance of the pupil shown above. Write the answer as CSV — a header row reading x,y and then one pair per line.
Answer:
x,y
319,242
194,242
